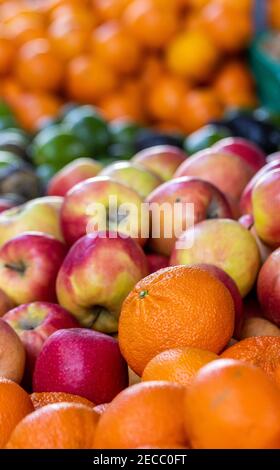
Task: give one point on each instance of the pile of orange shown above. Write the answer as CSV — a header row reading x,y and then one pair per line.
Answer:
x,y
173,64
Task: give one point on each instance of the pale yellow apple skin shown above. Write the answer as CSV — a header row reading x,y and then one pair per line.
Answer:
x,y
134,175
226,244
266,208
40,215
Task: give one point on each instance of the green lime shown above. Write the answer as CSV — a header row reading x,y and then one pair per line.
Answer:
x,y
15,141
90,127
205,137
266,115
56,146
124,132
7,118
8,159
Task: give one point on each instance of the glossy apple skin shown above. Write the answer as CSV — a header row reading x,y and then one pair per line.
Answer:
x,y
233,289
6,303
72,174
208,202
97,275
243,148
41,214
137,177
266,208
77,216
229,175
248,222
34,323
12,353
163,160
269,287
5,204
156,262
273,156
29,264
246,205
81,362
226,244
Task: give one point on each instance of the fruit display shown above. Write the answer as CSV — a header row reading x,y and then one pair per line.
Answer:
x,y
139,228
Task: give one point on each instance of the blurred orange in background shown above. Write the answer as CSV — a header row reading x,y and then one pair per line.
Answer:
x,y
198,107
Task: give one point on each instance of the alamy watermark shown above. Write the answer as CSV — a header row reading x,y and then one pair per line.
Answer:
x,y
148,220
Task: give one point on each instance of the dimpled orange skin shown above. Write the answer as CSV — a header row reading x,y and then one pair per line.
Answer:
x,y
232,405
177,365
56,426
148,413
15,404
261,351
41,399
175,307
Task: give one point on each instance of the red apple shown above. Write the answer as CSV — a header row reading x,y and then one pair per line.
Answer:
x,y
6,204
266,208
99,204
81,362
229,175
273,156
208,203
12,354
34,323
156,262
5,303
233,289
73,173
97,274
163,160
243,148
29,264
269,287
246,198
247,221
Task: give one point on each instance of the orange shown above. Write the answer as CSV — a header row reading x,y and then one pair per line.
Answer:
x,y
88,79
56,426
229,29
198,107
149,24
234,84
112,44
7,54
47,398
151,71
233,405
165,97
261,351
124,103
15,404
177,365
68,38
146,413
196,4
10,90
109,9
37,67
173,308
75,13
22,26
191,54
274,13
33,109
277,376
243,6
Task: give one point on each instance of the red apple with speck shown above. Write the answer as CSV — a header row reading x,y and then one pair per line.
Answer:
x,y
163,160
269,287
82,362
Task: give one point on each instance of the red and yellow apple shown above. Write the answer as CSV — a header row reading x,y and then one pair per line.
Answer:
x,y
156,262
12,353
230,175
73,173
137,177
243,148
174,197
266,208
224,243
5,303
41,214
163,160
269,287
29,264
246,204
97,274
99,204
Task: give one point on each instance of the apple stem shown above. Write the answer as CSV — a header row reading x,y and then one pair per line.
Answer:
x,y
18,267
143,294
